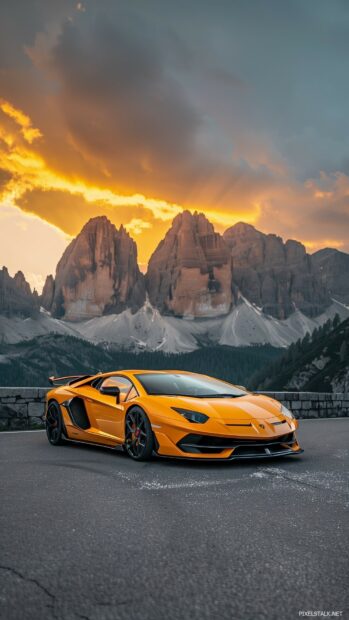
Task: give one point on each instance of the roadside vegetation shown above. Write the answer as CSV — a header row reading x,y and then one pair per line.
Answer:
x,y
317,363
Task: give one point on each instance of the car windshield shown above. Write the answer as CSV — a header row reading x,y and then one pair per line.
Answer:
x,y
178,384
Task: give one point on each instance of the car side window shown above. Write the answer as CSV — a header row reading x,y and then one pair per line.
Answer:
x,y
124,385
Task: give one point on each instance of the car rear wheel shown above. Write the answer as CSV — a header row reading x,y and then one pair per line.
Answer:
x,y
139,440
54,424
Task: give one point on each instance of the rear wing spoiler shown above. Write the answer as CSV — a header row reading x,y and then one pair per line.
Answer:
x,y
67,380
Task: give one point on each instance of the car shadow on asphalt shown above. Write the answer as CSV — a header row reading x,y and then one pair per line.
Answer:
x,y
185,463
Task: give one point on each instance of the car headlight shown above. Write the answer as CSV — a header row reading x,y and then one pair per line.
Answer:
x,y
192,416
286,412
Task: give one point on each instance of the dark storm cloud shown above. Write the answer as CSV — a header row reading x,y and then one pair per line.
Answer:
x,y
20,22
226,106
292,58
192,73
126,109
117,97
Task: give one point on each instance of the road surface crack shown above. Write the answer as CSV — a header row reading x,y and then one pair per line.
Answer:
x,y
43,589
298,481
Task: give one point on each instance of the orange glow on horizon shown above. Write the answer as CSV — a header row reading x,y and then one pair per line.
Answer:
x,y
145,217
313,246
30,171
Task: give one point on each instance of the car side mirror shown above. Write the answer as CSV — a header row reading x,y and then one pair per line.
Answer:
x,y
111,390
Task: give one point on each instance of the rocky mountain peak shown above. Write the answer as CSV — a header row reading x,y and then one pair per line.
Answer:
x,y
97,274
16,297
295,251
46,297
189,274
278,277
243,229
21,283
332,268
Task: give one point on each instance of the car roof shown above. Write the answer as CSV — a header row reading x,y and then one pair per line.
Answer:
x,y
145,371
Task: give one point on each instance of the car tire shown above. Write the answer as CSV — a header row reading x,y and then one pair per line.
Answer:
x,y
54,424
139,439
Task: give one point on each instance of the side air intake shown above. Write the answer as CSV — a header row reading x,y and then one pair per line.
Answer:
x,y
77,412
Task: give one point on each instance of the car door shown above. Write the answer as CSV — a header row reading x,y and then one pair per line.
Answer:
x,y
108,414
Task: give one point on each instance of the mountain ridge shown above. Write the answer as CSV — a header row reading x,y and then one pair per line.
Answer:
x,y
333,270
275,275
241,288
193,272
148,330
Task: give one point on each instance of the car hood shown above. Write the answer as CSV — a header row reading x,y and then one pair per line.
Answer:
x,y
243,408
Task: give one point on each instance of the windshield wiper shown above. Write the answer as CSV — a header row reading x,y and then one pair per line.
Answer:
x,y
170,394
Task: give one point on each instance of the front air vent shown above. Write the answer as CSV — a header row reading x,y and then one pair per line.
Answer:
x,y
206,444
277,423
247,424
257,451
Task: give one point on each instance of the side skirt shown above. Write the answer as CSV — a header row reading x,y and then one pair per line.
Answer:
x,y
93,443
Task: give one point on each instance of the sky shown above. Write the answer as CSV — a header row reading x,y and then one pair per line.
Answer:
x,y
139,109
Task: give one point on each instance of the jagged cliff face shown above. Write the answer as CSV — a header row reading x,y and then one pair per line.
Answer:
x,y
190,273
97,274
332,267
276,276
46,297
16,297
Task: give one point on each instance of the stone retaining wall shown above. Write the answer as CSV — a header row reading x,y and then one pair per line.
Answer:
x,y
23,408
314,404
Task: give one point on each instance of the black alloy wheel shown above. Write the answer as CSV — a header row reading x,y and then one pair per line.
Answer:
x,y
139,440
54,424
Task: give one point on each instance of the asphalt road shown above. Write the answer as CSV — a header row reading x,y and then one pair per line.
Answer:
x,y
88,533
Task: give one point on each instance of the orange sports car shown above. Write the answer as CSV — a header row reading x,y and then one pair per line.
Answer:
x,y
169,413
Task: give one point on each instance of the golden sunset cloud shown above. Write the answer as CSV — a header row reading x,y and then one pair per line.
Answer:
x,y
35,188
38,189
138,111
